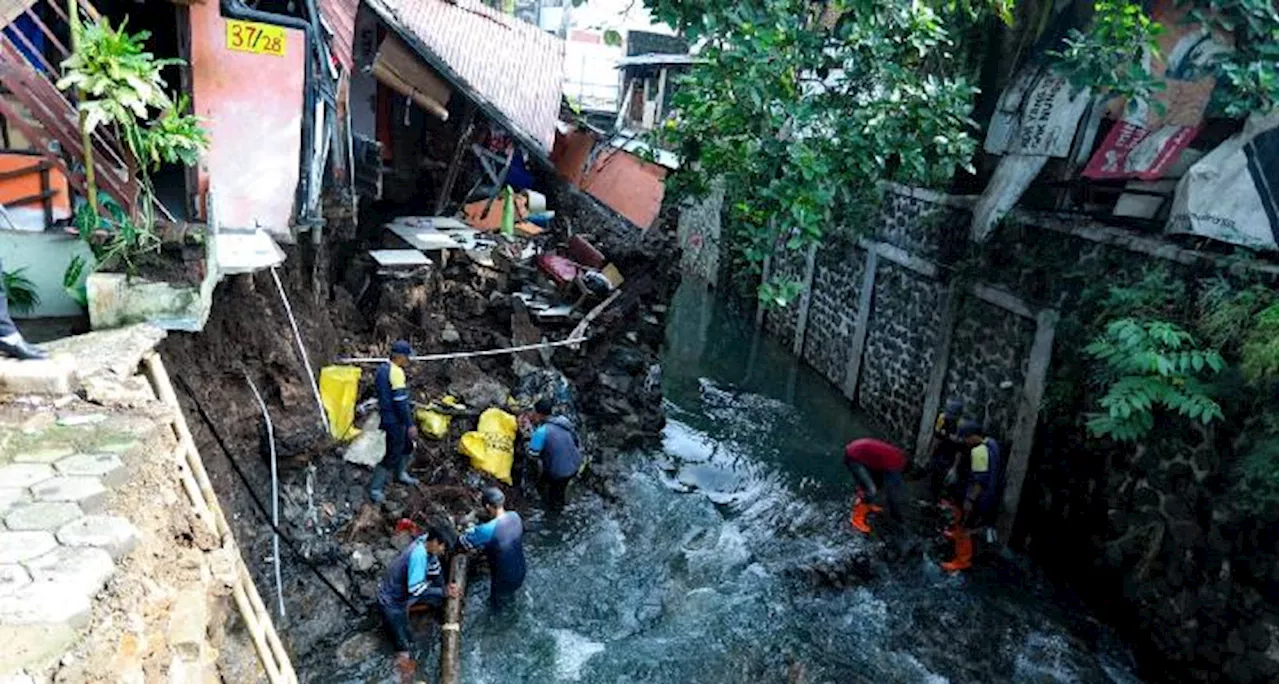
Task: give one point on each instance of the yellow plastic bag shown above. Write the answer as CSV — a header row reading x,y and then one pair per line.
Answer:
x,y
432,423
339,389
492,445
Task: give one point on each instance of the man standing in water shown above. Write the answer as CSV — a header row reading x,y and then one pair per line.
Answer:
x,y
396,419
556,444
502,539
947,448
416,576
981,496
876,467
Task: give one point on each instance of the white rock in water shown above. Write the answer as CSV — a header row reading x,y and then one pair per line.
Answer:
x,y
572,653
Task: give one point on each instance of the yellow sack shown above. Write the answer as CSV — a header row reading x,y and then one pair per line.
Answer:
x,y
339,389
492,446
432,423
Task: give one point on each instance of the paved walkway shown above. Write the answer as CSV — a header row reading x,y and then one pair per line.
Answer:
x,y
61,456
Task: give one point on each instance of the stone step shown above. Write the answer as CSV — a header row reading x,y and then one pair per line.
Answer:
x,y
55,376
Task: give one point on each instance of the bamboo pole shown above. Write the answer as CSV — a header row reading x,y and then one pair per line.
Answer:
x,y
451,628
270,649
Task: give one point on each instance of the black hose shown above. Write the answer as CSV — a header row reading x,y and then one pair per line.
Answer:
x,y
262,509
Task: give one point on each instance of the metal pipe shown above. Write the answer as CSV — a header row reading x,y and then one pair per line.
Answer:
x,y
306,360
464,355
275,494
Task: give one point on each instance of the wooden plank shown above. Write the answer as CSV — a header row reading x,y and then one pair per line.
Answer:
x,y
901,257
1002,298
937,374
459,150
1024,427
806,298
859,342
451,628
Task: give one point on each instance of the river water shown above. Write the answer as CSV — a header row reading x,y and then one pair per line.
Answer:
x,y
699,573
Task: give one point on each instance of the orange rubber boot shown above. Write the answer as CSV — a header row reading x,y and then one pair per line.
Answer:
x,y
964,551
859,517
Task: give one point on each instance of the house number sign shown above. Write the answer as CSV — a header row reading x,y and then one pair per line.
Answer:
x,y
248,36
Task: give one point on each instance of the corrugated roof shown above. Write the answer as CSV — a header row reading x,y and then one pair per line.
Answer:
x,y
514,70
340,17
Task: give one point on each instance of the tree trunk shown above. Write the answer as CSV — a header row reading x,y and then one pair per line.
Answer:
x,y
451,628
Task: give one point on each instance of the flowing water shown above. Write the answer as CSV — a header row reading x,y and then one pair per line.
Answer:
x,y
698,573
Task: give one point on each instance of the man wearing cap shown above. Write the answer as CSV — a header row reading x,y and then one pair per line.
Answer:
x,y
555,443
415,577
876,467
396,419
502,539
981,496
12,343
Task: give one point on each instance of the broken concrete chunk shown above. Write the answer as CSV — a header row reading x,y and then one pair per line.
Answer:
x,y
450,335
188,623
368,448
55,376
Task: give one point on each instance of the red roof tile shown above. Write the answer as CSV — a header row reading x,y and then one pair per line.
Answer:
x,y
340,17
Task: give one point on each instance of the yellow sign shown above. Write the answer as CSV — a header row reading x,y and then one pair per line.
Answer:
x,y
248,36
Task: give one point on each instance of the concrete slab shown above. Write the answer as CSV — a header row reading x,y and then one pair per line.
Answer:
x,y
82,569
33,643
188,623
10,496
407,258
131,392
44,454
44,603
106,466
41,515
117,352
116,535
16,547
55,376
426,239
245,251
86,491
12,578
18,475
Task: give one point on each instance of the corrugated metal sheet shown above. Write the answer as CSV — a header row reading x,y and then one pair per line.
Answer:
x,y
513,69
340,17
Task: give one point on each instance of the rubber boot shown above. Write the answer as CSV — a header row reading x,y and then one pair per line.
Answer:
x,y
858,518
377,484
405,667
964,551
405,478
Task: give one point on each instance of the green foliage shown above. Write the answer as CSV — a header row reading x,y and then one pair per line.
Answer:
x,y
73,280
1260,353
115,239
120,79
1248,80
1112,56
1150,365
121,87
20,291
612,37
802,112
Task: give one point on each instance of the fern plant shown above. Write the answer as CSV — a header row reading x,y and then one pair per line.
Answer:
x,y
20,291
1148,366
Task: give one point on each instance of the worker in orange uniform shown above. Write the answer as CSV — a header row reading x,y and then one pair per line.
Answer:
x,y
877,468
981,496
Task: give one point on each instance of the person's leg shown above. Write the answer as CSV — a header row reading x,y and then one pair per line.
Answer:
x,y
398,625
557,493
895,496
11,342
390,463
406,458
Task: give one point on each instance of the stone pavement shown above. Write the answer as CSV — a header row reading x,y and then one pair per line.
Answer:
x,y
61,456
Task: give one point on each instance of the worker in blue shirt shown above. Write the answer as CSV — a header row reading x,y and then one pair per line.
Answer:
x,y
416,576
396,419
981,493
502,539
555,443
